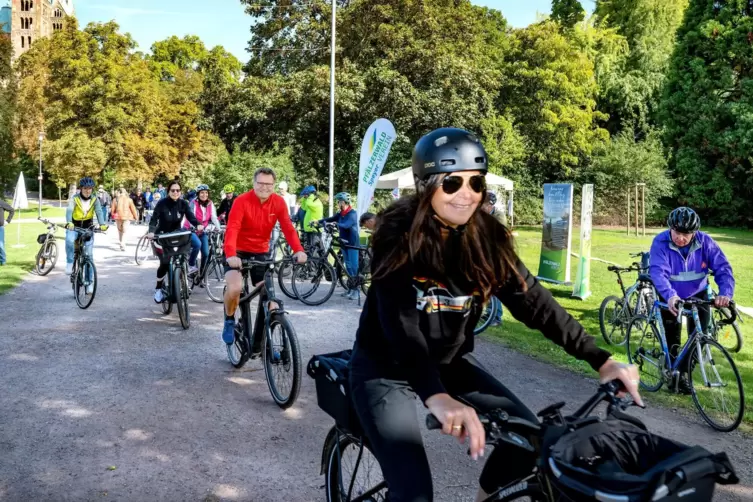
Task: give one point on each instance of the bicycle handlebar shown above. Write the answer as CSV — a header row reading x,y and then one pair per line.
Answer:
x,y
79,230
494,420
686,308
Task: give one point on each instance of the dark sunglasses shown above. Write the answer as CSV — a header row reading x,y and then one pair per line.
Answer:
x,y
175,190
451,184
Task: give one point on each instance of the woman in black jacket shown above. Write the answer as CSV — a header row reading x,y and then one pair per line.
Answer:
x,y
436,259
167,217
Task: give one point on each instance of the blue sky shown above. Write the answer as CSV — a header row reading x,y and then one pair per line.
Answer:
x,y
223,22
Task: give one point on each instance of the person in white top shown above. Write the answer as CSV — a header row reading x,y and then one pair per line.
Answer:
x,y
289,197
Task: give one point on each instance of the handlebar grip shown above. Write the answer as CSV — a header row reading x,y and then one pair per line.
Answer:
x,y
614,386
432,422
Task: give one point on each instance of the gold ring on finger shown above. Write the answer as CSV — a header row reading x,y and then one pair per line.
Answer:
x,y
457,427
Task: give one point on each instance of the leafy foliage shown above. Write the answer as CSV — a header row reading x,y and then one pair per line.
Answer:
x,y
708,108
567,13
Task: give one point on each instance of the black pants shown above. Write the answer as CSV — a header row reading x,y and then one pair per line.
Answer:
x,y
673,329
257,276
386,407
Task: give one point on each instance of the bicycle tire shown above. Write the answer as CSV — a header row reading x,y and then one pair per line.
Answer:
x,y
336,488
285,272
239,351
721,332
214,280
47,257
692,364
616,314
322,270
274,360
640,355
83,299
487,316
143,248
180,294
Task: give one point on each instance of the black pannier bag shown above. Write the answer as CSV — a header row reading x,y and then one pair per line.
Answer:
x,y
330,373
618,461
41,238
174,243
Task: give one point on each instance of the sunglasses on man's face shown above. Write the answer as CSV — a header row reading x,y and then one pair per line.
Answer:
x,y
175,190
453,183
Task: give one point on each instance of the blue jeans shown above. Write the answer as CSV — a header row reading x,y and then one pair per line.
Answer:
x,y
70,239
498,315
2,245
199,243
350,256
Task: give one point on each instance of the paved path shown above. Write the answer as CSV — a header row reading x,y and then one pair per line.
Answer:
x,y
117,402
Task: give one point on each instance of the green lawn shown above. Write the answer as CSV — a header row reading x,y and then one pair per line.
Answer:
x,y
615,246
47,211
21,260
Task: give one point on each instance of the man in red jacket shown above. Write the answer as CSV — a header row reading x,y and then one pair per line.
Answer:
x,y
247,237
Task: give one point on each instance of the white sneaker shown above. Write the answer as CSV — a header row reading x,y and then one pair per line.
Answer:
x,y
90,289
122,247
68,268
159,296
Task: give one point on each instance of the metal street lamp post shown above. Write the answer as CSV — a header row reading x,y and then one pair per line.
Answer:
x,y
332,113
41,139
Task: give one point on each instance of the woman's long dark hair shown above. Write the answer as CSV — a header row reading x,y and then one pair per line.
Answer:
x,y
408,232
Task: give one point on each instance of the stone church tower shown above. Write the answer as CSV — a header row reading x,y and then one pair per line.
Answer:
x,y
33,19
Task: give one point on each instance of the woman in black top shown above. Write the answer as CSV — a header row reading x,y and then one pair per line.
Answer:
x,y
167,217
436,259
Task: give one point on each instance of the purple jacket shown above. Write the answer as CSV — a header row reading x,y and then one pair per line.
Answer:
x,y
674,275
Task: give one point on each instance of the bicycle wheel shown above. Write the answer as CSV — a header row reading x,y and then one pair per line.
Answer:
x,y
167,304
180,294
314,281
215,280
644,349
487,316
728,335
715,385
85,286
285,279
340,272
239,351
282,361
352,469
143,250
613,320
47,257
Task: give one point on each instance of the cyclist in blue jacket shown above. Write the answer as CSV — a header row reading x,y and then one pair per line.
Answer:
x,y
347,225
680,260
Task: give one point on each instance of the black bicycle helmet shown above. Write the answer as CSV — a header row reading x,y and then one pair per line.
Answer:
x,y
448,150
684,220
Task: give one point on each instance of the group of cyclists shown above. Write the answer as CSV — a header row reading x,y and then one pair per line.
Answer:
x,y
442,246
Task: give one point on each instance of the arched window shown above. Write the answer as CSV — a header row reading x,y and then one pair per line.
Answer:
x,y
22,42
29,41
31,4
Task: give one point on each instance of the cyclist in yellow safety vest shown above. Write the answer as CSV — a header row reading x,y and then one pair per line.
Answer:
x,y
82,209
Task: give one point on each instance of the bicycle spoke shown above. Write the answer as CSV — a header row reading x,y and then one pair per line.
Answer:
x,y
716,386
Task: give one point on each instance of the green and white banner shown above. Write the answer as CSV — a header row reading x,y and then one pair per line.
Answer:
x,y
582,288
554,265
374,151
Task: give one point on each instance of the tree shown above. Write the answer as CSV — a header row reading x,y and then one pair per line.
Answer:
x,y
91,84
567,13
7,113
631,83
550,90
73,156
707,111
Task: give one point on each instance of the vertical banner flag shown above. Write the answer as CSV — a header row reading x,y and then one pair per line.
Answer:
x,y
554,265
582,287
20,201
374,151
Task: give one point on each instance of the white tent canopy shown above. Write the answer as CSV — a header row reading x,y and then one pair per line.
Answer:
x,y
404,179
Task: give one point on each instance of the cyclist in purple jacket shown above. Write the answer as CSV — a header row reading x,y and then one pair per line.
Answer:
x,y
680,260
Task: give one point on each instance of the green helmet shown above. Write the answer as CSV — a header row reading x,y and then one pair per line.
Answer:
x,y
228,188
343,196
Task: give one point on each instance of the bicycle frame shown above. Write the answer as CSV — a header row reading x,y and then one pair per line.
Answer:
x,y
268,285
175,261
673,365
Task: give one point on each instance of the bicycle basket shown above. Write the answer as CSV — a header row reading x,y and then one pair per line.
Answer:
x,y
175,243
330,373
41,238
617,460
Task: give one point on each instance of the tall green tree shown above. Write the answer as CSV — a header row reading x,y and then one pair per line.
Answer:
x,y
707,111
631,78
7,113
567,13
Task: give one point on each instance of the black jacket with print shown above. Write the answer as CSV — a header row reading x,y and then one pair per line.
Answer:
x,y
168,215
412,324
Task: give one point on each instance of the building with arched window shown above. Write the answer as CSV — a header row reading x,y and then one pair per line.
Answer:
x,y
29,20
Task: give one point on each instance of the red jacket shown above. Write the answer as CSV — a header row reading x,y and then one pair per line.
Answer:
x,y
251,223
